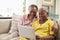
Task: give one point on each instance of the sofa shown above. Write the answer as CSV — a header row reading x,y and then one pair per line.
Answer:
x,y
58,33
6,24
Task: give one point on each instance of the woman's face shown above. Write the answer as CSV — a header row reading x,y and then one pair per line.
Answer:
x,y
42,14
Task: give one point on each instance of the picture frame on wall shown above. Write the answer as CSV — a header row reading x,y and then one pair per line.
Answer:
x,y
48,2
46,8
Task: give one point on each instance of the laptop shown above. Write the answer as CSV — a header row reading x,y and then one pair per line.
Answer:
x,y
27,32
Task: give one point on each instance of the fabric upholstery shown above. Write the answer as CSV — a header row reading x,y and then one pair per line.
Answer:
x,y
14,23
4,25
58,34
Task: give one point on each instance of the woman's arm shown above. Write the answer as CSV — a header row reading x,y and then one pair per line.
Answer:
x,y
55,28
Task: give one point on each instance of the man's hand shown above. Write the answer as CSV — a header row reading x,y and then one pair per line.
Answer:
x,y
46,37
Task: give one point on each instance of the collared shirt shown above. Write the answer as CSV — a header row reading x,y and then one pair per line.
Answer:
x,y
25,21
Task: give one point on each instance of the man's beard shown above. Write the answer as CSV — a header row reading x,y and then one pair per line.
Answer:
x,y
32,15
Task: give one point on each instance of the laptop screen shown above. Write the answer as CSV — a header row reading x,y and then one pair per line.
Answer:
x,y
26,31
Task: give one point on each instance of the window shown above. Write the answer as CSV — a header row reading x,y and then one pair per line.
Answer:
x,y
24,6
8,7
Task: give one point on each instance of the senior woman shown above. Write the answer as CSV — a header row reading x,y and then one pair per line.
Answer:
x,y
44,27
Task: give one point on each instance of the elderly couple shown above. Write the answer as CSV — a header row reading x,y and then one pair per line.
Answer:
x,y
45,28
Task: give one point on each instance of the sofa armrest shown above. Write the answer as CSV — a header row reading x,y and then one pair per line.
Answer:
x,y
4,25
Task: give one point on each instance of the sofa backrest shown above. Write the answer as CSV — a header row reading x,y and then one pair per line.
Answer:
x,y
5,25
58,34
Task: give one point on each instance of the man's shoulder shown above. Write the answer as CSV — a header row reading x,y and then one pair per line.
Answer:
x,y
23,15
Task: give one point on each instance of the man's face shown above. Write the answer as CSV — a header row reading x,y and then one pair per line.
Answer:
x,y
32,10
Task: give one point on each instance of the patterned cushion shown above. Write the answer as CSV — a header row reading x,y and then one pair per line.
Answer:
x,y
15,20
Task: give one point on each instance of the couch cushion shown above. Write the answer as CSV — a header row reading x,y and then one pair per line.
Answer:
x,y
15,20
3,35
4,25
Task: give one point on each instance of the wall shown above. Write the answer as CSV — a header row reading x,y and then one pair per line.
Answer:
x,y
58,7
39,3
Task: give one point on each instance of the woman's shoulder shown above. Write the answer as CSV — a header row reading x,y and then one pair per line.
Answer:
x,y
50,21
36,21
